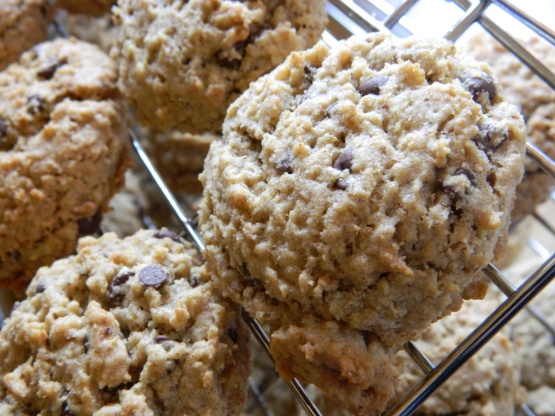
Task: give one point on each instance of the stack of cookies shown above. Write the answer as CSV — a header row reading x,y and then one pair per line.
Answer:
x,y
350,197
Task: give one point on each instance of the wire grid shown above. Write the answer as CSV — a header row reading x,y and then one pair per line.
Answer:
x,y
348,17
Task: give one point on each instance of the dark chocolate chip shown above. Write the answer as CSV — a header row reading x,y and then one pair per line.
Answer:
x,y
160,338
344,161
35,104
48,72
116,299
465,172
120,279
7,142
232,333
479,85
194,280
286,165
486,137
89,226
86,344
40,288
153,276
3,128
341,184
372,86
450,191
164,233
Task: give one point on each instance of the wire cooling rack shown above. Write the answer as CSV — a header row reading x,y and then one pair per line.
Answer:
x,y
452,20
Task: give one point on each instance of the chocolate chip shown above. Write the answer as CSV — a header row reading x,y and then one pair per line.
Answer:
x,y
194,280
286,165
89,226
479,85
48,72
7,142
3,128
372,86
153,276
344,161
232,333
160,338
116,299
120,279
40,288
86,344
488,140
35,104
341,184
465,172
164,233
450,191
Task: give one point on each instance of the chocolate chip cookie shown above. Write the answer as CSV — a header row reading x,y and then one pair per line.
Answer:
x,y
128,326
536,101
179,157
487,384
22,25
365,184
63,152
183,62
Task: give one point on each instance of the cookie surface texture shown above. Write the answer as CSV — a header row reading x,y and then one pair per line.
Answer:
x,y
128,326
16,19
536,101
487,384
366,185
63,143
183,62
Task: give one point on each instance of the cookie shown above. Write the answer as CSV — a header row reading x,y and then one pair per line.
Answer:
x,y
16,17
179,157
87,7
99,30
128,326
127,208
366,184
487,384
63,152
536,101
182,63
535,347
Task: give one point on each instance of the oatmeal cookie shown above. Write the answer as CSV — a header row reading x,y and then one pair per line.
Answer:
x,y
488,384
128,326
99,30
17,17
179,157
183,62
63,152
535,346
536,101
366,184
